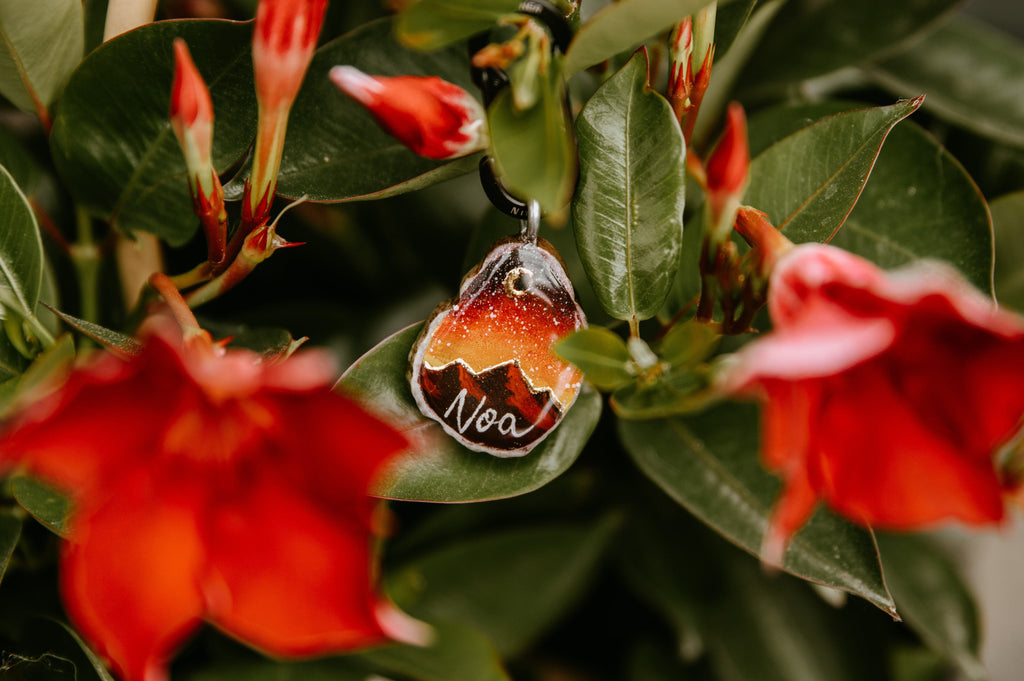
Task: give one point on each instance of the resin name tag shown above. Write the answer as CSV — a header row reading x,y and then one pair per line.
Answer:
x,y
484,367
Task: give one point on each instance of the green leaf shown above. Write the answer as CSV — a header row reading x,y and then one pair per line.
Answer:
x,y
510,586
1008,222
933,600
813,37
778,630
919,202
621,25
534,150
973,74
21,250
334,150
115,341
439,469
433,24
42,42
10,533
627,211
600,354
49,368
45,504
117,152
709,465
808,182
458,653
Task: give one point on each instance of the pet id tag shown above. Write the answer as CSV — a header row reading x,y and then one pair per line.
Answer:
x,y
484,367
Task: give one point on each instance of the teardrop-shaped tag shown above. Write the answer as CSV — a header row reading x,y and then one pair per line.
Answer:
x,y
484,367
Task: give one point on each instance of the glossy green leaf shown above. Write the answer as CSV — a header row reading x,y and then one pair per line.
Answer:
x,y
511,586
115,341
534,150
21,250
439,469
10,533
1008,223
112,140
433,24
813,37
808,182
973,74
919,202
709,464
334,150
42,42
600,354
457,653
43,503
627,210
933,599
622,25
778,630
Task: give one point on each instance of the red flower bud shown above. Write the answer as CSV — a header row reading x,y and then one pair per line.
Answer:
x,y
727,170
211,485
886,394
729,164
433,117
192,120
282,47
191,106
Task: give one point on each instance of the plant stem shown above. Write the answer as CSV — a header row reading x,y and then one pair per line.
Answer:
x,y
85,255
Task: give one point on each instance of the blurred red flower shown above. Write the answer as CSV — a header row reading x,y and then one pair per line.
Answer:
x,y
886,394
431,116
212,485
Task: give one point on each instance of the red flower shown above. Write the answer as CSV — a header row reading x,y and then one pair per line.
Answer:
x,y
886,394
211,487
433,117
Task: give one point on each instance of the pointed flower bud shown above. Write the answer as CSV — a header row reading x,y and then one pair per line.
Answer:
x,y
432,117
282,47
191,110
680,52
728,169
283,44
192,119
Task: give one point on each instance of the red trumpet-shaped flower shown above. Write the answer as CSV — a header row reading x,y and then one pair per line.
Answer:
x,y
432,117
282,47
192,120
886,394
211,486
